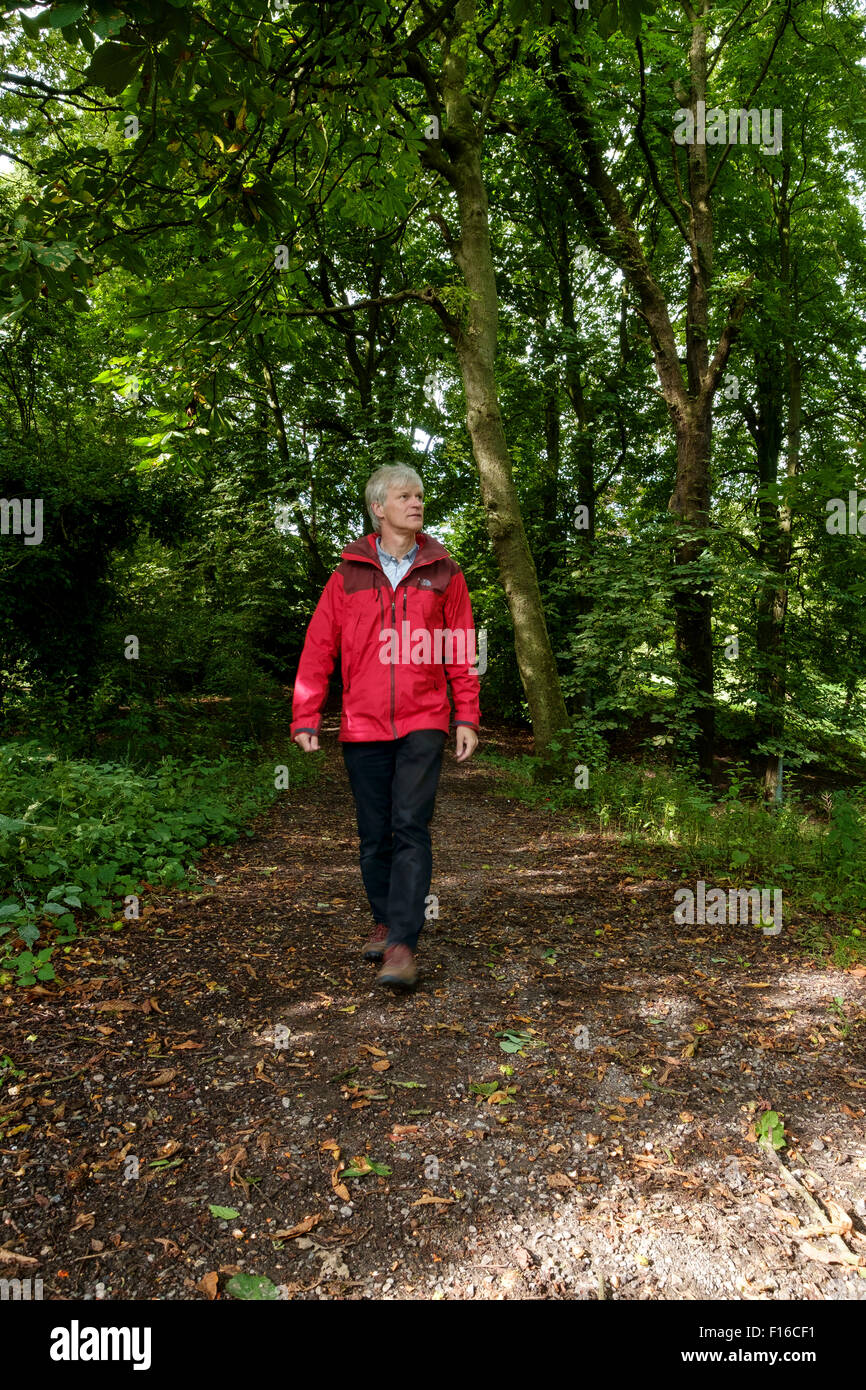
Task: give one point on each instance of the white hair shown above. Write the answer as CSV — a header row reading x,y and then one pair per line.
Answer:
x,y
389,475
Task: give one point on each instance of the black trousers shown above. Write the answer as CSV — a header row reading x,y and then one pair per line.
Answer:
x,y
394,784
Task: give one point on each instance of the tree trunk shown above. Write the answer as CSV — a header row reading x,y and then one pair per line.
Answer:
x,y
475,340
693,636
605,217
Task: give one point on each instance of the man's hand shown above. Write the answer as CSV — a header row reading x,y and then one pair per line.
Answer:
x,y
308,742
467,742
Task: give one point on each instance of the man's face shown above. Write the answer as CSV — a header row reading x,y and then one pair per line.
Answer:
x,y
404,507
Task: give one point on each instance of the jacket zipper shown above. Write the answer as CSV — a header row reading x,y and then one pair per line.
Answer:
x,y
393,671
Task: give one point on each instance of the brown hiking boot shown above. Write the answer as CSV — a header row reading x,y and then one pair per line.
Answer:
x,y
375,947
399,968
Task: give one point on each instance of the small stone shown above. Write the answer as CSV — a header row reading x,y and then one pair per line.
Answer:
x,y
817,1145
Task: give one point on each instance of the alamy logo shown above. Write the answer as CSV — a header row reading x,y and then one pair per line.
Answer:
x,y
425,583
76,1343
422,647
735,127
22,517
736,907
846,522
20,1290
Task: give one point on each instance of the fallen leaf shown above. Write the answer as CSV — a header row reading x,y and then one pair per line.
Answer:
x,y
331,1146
381,1066
187,1047
342,1191
84,1220
13,1257
209,1284
400,1132
558,1180
163,1077
376,1051
299,1230
429,1198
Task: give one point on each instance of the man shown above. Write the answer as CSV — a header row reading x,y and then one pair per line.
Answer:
x,y
397,609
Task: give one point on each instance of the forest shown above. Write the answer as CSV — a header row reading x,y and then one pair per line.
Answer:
x,y
596,270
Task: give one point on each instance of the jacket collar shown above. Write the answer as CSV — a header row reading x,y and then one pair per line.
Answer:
x,y
365,549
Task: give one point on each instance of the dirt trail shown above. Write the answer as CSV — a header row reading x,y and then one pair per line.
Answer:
x,y
614,1161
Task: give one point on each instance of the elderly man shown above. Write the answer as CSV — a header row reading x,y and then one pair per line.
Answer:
x,y
397,610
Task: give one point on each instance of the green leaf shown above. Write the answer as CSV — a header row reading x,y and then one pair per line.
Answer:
x,y
608,20
62,15
629,18
252,1286
223,1213
113,66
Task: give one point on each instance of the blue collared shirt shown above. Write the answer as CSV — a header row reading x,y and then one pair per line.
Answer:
x,y
394,568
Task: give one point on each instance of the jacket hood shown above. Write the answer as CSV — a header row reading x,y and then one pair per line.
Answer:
x,y
365,548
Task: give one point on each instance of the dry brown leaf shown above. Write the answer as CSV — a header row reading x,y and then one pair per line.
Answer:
x,y
299,1230
429,1198
331,1146
399,1132
84,1220
163,1077
381,1066
558,1180
342,1191
186,1047
376,1051
232,1158
209,1284
14,1258
167,1149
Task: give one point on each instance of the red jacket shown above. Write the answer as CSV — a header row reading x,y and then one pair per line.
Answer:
x,y
396,646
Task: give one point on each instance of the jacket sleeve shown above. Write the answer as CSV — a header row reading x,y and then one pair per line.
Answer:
x,y
321,649
457,612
